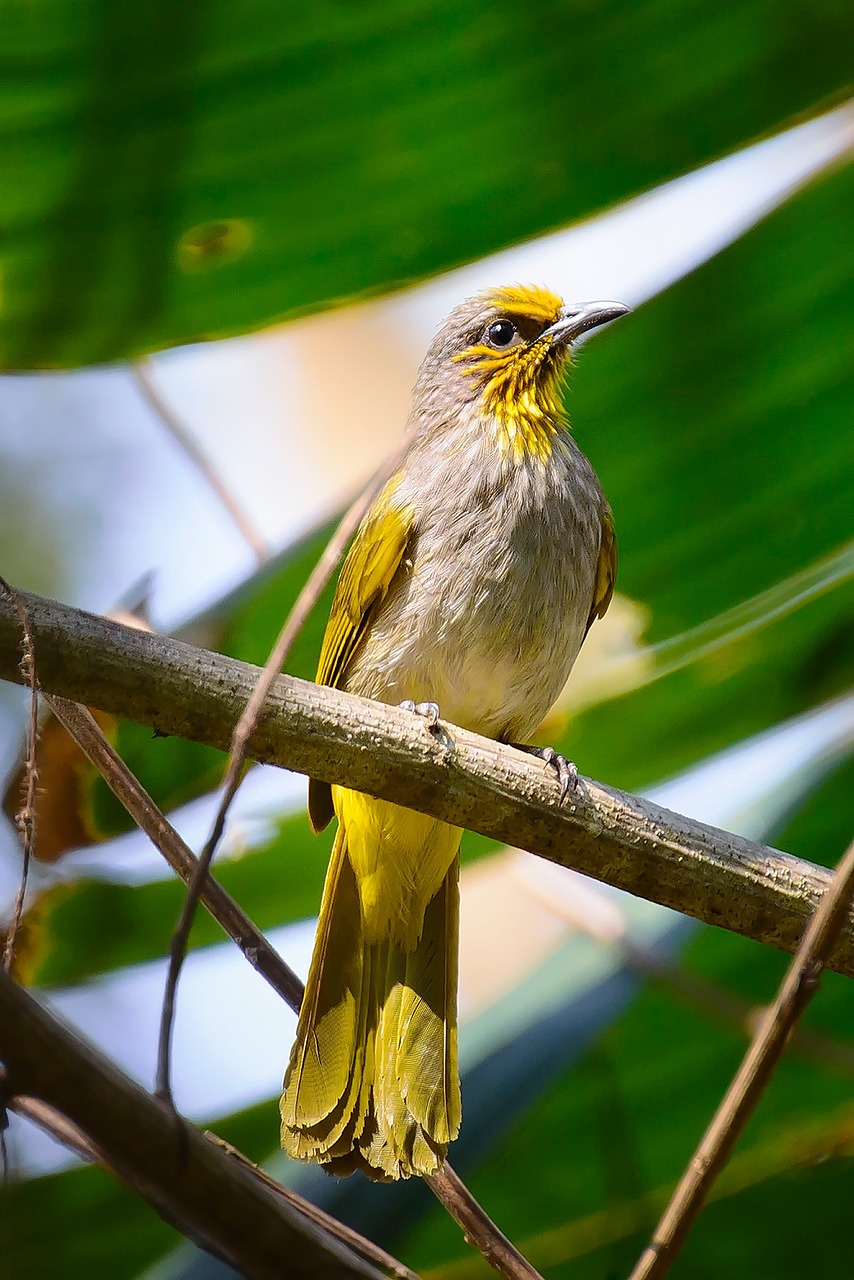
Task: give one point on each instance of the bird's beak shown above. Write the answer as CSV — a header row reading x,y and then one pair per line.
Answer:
x,y
576,320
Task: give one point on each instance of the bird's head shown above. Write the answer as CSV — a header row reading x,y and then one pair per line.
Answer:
x,y
503,352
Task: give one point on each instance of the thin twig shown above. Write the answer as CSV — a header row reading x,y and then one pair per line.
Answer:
x,y
750,1081
263,957
552,1248
25,817
243,732
478,1228
83,728
5,1173
64,1131
361,1244
141,373
60,1128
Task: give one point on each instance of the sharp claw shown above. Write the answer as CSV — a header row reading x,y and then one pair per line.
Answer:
x,y
567,774
565,770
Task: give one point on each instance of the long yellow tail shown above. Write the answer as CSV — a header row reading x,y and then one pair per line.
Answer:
x,y
372,1081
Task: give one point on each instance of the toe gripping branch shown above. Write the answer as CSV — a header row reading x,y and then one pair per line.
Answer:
x,y
565,771
429,710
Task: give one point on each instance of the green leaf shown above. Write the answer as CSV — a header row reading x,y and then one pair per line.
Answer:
x,y
178,172
99,1227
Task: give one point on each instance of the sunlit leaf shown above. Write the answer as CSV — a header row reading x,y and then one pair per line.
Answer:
x,y
94,926
172,173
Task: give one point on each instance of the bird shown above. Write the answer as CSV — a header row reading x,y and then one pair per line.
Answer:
x,y
469,587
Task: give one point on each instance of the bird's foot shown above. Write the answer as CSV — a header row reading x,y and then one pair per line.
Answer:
x,y
565,771
429,710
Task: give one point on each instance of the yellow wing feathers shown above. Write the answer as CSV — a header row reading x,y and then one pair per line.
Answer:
x,y
371,563
373,1082
606,570
367,573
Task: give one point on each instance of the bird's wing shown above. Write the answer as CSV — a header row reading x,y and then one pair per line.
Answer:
x,y
606,570
371,563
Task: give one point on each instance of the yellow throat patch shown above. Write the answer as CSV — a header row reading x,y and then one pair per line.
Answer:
x,y
519,386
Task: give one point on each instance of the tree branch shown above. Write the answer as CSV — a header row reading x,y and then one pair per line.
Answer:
x,y
189,1180
478,1228
62,1130
717,877
25,816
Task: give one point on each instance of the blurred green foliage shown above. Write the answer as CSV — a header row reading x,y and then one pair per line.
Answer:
x,y
179,172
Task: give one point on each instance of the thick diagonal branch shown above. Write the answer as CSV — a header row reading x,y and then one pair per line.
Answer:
x,y
190,1181
624,840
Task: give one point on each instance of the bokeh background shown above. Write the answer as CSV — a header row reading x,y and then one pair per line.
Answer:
x,y
228,234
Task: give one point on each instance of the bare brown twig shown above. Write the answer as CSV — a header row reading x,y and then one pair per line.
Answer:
x,y
478,1228
750,1081
141,372
243,732
25,817
261,955
372,1252
563,1243
725,1006
69,1135
82,727
58,1126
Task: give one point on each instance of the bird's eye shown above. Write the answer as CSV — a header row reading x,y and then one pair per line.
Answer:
x,y
500,333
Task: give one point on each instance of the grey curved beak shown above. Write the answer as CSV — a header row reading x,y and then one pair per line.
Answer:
x,y
577,320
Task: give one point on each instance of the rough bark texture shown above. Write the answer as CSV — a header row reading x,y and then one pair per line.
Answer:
x,y
192,1183
619,838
